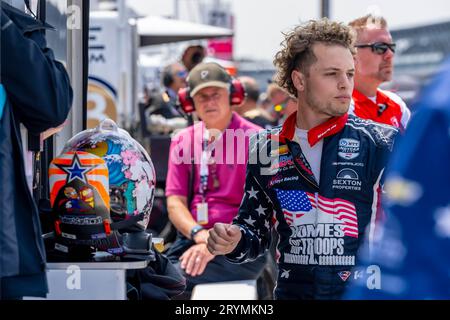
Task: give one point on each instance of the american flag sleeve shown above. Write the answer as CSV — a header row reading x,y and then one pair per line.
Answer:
x,y
255,221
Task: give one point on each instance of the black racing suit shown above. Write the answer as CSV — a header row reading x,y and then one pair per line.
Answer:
x,y
320,226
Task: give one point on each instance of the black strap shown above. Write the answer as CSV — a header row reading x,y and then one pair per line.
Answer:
x,y
120,225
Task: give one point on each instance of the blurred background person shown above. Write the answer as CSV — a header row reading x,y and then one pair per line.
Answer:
x,y
173,78
162,113
250,108
265,103
374,63
283,104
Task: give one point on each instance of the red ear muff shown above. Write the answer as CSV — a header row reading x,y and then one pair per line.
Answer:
x,y
237,96
237,92
185,101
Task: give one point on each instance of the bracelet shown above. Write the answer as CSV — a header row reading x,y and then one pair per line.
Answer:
x,y
196,229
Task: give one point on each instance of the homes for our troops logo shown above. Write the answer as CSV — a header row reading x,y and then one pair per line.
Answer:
x,y
101,102
318,226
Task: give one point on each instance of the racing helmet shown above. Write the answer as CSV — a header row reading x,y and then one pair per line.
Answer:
x,y
131,174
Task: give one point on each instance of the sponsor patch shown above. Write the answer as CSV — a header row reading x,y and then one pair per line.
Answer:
x,y
346,164
284,162
347,179
285,274
344,275
347,174
278,178
280,151
348,148
68,235
98,236
61,248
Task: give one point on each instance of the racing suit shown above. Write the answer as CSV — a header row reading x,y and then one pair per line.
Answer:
x,y
387,107
320,226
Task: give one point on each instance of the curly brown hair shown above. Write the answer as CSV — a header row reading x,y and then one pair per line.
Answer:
x,y
297,53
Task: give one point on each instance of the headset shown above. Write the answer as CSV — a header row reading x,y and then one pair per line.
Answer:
x,y
237,96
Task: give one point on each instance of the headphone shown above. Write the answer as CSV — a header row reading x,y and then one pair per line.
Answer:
x,y
237,96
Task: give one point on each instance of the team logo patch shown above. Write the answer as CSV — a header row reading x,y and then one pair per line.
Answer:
x,y
347,179
344,275
347,174
348,148
204,74
285,274
280,151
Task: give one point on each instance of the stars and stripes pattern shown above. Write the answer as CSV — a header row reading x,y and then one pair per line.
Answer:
x,y
87,167
344,211
297,203
255,215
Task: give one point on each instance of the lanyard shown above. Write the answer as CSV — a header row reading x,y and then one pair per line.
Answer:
x,y
207,153
204,171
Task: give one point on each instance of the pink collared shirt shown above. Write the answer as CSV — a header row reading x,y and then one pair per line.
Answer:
x,y
230,155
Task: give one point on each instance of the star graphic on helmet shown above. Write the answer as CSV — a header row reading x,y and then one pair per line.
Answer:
x,y
75,170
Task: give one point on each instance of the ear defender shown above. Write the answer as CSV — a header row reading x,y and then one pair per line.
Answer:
x,y
237,92
185,101
237,96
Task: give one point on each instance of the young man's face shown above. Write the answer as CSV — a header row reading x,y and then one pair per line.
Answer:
x,y
370,65
328,86
212,105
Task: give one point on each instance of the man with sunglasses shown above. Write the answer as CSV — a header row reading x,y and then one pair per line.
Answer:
x,y
374,65
283,103
162,114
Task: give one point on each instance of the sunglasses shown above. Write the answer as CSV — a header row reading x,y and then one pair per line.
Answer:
x,y
181,74
281,106
378,47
